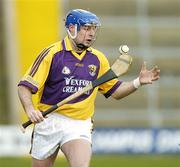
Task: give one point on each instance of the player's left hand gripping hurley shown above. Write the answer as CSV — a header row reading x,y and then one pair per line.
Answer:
x,y
119,67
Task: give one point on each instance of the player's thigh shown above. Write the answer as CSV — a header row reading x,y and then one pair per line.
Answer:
x,y
48,162
78,152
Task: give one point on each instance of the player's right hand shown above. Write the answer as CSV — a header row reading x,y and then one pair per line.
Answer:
x,y
148,76
35,116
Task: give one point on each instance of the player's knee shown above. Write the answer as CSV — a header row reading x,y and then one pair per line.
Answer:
x,y
79,164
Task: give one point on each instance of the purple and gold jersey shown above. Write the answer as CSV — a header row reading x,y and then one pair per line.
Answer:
x,y
59,72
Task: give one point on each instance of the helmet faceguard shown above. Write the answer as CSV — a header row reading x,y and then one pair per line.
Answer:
x,y
78,18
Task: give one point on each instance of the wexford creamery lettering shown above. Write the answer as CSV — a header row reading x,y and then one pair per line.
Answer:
x,y
73,85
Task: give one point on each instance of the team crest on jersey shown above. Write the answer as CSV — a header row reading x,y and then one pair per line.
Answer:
x,y
66,70
92,70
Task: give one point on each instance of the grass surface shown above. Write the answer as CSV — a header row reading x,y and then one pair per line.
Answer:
x,y
105,161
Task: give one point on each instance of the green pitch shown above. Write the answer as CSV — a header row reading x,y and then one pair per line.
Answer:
x,y
106,161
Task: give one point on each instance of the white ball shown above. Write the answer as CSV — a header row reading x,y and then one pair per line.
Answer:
x,y
123,49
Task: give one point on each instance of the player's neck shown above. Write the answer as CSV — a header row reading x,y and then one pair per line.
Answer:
x,y
78,50
75,48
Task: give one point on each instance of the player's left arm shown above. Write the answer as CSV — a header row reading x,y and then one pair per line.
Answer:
x,y
145,77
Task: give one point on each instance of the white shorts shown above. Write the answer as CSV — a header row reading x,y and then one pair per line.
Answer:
x,y
56,130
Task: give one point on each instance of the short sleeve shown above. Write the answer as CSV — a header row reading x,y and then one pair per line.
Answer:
x,y
108,88
37,74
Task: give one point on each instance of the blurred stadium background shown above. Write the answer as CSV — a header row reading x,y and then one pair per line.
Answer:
x,y
151,28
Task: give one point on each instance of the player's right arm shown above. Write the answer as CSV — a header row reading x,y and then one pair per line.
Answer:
x,y
33,81
145,77
25,96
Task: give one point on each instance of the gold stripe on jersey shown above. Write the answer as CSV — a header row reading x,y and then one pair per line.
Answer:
x,y
29,79
39,60
36,61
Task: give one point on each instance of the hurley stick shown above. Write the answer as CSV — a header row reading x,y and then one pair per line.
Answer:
x,y
119,67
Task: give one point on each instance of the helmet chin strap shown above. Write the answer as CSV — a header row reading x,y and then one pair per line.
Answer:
x,y
81,46
75,33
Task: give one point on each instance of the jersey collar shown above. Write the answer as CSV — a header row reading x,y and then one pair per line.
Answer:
x,y
67,44
68,47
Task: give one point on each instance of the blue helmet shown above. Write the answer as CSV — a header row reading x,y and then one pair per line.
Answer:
x,y
81,17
